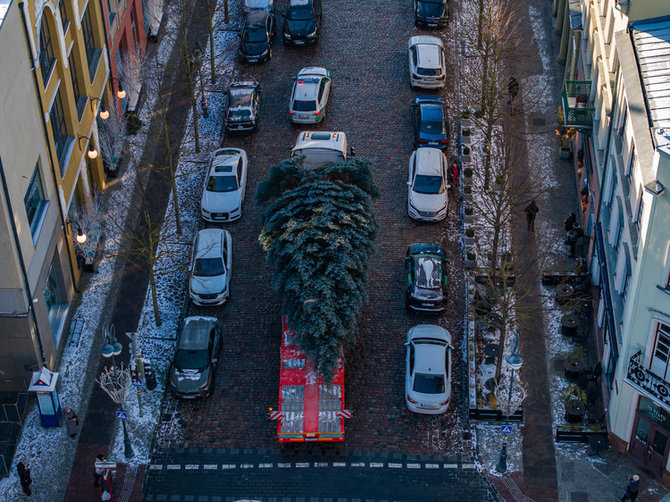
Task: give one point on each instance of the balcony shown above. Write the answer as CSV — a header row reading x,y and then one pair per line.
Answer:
x,y
646,381
576,112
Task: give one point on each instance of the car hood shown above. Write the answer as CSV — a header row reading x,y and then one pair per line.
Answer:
x,y
255,48
188,381
226,202
428,202
208,285
300,28
425,9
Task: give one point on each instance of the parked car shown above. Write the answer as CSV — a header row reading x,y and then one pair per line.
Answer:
x,y
431,13
427,68
198,345
321,148
426,267
225,184
430,122
250,5
302,22
427,185
428,369
211,263
244,99
256,37
309,96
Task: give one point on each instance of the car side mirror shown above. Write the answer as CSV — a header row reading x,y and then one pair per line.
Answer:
x,y
409,183
352,151
406,344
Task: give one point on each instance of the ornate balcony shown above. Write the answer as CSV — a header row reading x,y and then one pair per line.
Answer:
x,y
646,381
576,110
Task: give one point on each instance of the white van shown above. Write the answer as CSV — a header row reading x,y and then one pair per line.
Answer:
x,y
321,148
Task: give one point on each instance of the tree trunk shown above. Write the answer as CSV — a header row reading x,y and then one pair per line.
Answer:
x,y
154,295
226,19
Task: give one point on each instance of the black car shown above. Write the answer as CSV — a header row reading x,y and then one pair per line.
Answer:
x,y
256,37
243,105
430,122
302,22
194,364
426,267
431,13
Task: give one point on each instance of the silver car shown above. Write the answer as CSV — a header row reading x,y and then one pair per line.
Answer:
x,y
198,346
428,373
211,263
225,185
427,68
427,185
309,96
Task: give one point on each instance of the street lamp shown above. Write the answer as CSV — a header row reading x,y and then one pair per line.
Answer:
x,y
117,381
92,152
104,112
80,237
508,400
120,92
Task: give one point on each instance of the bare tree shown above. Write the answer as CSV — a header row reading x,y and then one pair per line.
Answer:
x,y
154,12
132,62
112,138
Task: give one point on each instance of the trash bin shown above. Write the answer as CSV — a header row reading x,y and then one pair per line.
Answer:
x,y
149,375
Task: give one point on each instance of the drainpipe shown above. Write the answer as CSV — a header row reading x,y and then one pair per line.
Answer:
x,y
46,137
29,293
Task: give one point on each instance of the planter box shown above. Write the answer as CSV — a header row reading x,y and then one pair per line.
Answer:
x,y
468,241
470,264
467,180
468,218
564,154
466,140
466,124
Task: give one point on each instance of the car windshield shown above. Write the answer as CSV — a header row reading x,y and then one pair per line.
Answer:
x,y
191,359
222,184
430,185
304,106
428,272
428,384
239,114
431,127
302,13
428,72
255,34
208,267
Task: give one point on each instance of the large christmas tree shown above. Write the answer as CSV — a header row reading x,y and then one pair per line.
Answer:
x,y
318,232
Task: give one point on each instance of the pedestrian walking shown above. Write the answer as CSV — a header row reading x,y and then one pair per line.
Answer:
x,y
453,174
24,476
569,221
574,235
531,211
71,421
98,472
632,488
512,89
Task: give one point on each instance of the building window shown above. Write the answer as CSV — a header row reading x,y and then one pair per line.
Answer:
x,y
92,52
631,161
47,58
63,16
79,98
638,212
111,11
660,359
35,203
57,119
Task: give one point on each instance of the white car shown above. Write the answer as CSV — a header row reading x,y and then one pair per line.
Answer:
x,y
225,184
427,185
258,4
211,263
309,96
427,68
428,372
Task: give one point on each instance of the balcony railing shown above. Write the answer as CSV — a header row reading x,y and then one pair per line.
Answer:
x,y
576,110
643,379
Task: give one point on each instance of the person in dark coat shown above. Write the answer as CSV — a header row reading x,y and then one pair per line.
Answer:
x,y
575,236
98,473
71,421
569,221
24,476
632,488
531,211
512,89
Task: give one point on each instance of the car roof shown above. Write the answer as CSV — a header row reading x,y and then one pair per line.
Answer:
x,y
306,89
195,333
428,56
299,3
429,161
257,17
429,358
240,97
257,4
225,159
432,112
428,271
210,242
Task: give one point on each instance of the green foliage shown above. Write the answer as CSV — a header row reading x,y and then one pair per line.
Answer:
x,y
318,229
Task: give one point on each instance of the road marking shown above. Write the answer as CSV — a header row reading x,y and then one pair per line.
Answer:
x,y
155,467
450,466
247,466
376,464
320,464
414,466
358,464
339,464
174,467
210,467
302,464
228,466
469,466
395,466
432,466
264,466
283,465
192,467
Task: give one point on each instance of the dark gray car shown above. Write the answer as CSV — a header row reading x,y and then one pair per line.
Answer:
x,y
192,371
426,268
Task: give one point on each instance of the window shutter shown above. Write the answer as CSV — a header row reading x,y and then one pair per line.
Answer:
x,y
620,273
613,229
